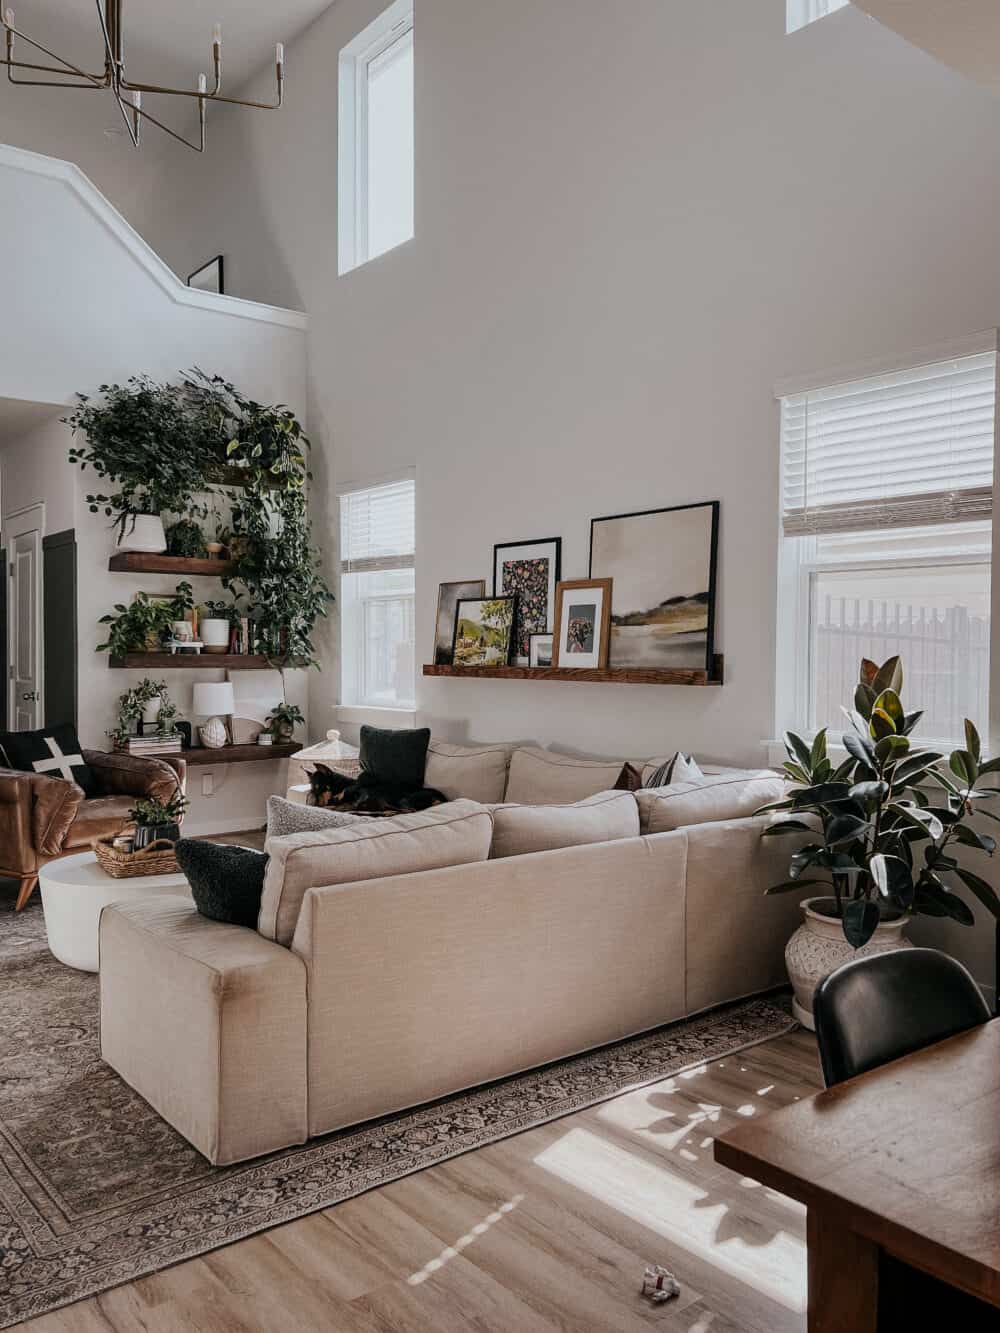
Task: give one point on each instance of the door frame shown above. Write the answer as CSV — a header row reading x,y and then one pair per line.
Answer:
x,y
30,518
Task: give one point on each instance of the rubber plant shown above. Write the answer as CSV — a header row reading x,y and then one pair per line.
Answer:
x,y
890,818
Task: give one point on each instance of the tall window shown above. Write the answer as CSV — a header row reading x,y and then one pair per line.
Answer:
x,y
799,13
375,207
377,596
887,487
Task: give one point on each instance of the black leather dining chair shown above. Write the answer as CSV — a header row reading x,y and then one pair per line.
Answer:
x,y
877,1009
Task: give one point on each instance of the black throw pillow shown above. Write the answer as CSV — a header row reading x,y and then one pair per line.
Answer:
x,y
52,751
226,882
395,757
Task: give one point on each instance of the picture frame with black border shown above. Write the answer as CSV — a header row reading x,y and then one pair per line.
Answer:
x,y
540,650
449,595
210,277
491,620
530,570
582,625
664,564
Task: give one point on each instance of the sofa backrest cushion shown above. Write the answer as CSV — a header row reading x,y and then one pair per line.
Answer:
x,y
520,829
475,772
732,795
448,835
542,777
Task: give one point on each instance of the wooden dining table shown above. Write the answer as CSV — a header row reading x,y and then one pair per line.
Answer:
x,y
899,1170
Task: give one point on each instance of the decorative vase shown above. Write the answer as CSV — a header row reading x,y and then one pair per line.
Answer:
x,y
215,635
282,731
143,532
213,734
818,948
151,709
214,550
147,833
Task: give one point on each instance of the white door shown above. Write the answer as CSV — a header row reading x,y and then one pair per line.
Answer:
x,y
24,606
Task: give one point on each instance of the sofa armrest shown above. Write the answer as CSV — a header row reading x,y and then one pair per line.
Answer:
x,y
120,774
36,812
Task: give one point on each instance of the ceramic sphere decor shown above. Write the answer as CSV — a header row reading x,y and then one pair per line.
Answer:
x,y
818,948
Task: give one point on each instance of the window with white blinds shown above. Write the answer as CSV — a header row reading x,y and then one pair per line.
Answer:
x,y
377,594
906,449
886,505
800,13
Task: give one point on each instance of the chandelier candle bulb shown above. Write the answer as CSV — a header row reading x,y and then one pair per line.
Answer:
x,y
279,54
217,35
202,83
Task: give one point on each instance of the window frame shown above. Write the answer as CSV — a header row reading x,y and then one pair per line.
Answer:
x,y
393,26
798,561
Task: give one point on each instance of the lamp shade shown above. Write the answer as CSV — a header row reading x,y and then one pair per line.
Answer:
x,y
213,698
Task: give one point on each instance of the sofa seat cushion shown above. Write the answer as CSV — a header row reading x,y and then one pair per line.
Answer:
x,y
98,819
606,817
731,795
475,772
457,833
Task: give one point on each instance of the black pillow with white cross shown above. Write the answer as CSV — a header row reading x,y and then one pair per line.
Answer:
x,y
53,751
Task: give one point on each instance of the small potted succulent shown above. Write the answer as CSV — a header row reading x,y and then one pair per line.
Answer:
x,y
283,720
883,828
156,819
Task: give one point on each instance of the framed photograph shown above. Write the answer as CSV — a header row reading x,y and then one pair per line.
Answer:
x,y
540,650
583,623
528,571
211,277
484,631
663,565
449,596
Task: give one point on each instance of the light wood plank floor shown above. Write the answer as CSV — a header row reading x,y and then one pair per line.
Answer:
x,y
546,1231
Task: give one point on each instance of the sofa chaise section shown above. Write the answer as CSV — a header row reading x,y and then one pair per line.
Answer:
x,y
208,1023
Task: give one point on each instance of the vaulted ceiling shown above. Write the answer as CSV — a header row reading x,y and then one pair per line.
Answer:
x,y
964,34
172,42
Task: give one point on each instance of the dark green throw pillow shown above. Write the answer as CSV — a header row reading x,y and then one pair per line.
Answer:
x,y
396,757
226,882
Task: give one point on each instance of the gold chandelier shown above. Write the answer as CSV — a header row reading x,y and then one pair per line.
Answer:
x,y
129,95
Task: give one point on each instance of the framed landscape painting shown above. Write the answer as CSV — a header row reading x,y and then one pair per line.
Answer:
x,y
528,571
484,628
663,563
449,596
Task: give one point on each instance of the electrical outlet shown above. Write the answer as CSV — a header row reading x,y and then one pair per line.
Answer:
x,y
208,784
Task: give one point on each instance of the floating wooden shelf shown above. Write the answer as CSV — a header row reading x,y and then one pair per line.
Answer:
x,y
610,675
188,661
239,754
142,562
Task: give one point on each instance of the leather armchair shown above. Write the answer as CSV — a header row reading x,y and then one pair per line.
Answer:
x,y
42,818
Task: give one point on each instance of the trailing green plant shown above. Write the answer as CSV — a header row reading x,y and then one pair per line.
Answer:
x,y
149,812
148,439
890,817
186,538
132,705
131,627
283,719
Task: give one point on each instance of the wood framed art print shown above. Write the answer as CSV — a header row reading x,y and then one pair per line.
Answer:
x,y
583,624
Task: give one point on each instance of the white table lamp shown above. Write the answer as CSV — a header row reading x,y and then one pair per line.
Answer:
x,y
215,701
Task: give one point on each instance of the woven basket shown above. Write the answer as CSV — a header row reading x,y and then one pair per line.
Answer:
x,y
156,859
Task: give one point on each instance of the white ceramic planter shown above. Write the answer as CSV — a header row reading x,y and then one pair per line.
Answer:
x,y
144,532
214,635
818,948
151,710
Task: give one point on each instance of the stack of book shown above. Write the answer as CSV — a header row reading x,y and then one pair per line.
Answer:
x,y
153,744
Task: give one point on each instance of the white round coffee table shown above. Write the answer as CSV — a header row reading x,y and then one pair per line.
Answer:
x,y
75,889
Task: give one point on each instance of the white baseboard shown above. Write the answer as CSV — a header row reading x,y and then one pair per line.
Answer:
x,y
205,828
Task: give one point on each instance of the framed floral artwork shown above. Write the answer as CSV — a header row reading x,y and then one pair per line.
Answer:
x,y
583,624
528,571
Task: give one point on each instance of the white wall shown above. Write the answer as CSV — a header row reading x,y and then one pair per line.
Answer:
x,y
632,219
94,311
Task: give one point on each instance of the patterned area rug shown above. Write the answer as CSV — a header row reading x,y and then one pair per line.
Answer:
x,y
96,1189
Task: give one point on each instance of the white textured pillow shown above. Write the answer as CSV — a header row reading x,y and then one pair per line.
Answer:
x,y
284,817
520,829
475,772
727,796
679,768
448,835
542,777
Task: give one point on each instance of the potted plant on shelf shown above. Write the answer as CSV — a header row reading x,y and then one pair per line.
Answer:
x,y
147,439
141,627
156,819
886,825
216,622
283,720
185,538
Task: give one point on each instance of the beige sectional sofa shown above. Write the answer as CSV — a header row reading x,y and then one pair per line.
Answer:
x,y
400,960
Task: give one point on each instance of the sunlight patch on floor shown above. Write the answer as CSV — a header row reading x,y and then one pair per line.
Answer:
x,y
453,1251
683,1213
